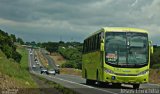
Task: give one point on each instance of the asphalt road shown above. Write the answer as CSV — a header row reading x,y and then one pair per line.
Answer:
x,y
77,83
50,60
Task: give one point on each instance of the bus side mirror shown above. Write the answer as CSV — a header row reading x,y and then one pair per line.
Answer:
x,y
102,45
151,47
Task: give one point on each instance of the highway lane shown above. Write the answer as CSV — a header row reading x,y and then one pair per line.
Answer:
x,y
50,60
78,84
78,87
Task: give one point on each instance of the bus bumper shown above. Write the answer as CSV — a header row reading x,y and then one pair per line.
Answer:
x,y
112,78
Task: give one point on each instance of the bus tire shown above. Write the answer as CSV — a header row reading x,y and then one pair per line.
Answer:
x,y
97,76
85,74
97,79
116,85
102,84
90,82
136,86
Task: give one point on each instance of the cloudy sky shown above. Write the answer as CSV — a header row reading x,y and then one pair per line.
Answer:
x,y
54,20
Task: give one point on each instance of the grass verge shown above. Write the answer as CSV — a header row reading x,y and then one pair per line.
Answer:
x,y
13,74
53,85
154,76
42,59
59,60
71,71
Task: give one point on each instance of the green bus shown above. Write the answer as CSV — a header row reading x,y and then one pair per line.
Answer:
x,y
117,55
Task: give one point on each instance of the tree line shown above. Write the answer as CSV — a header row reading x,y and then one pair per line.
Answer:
x,y
72,51
8,47
155,57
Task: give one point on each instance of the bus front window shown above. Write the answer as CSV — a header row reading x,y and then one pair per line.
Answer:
x,y
126,48
137,48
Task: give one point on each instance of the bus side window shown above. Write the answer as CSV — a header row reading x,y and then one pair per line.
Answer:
x,y
91,43
99,41
84,46
87,47
94,43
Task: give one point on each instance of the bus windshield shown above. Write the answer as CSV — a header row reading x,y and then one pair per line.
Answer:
x,y
126,49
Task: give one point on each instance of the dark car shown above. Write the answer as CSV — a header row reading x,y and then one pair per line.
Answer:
x,y
57,71
35,59
40,67
43,70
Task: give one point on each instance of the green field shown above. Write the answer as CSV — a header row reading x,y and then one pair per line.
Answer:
x,y
15,74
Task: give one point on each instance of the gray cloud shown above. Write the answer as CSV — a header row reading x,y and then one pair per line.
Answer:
x,y
48,20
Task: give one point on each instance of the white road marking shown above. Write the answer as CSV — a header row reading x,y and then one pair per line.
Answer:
x,y
83,85
75,82
153,84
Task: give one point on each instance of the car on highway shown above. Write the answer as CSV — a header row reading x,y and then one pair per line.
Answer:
x,y
43,70
35,59
57,71
52,72
37,62
33,66
31,53
58,65
40,67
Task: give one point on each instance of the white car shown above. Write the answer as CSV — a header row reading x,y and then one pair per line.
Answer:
x,y
37,62
57,65
51,72
34,66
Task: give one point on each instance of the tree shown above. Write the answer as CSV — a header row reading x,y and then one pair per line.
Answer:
x,y
19,40
51,46
13,37
155,58
7,45
17,57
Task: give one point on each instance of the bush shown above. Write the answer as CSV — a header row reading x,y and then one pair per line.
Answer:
x,y
8,47
68,65
155,58
156,66
17,57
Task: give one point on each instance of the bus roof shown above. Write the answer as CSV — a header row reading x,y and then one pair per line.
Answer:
x,y
118,29
123,29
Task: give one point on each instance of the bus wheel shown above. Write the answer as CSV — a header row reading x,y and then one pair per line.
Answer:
x,y
102,84
136,86
116,85
97,76
97,79
85,74
90,82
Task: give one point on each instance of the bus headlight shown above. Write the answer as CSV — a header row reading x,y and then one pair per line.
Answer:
x,y
143,72
109,71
